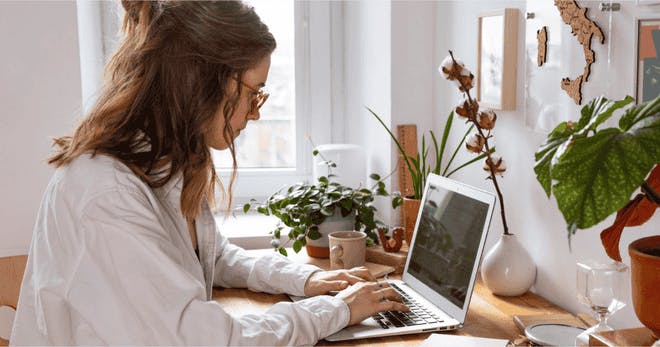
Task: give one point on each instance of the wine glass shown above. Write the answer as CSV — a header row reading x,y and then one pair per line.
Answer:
x,y
601,287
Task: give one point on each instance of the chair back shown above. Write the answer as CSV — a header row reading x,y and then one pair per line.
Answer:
x,y
11,276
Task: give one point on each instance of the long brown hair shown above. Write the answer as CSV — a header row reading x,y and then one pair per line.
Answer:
x,y
164,86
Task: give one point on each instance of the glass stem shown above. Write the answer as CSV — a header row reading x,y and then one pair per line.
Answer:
x,y
602,318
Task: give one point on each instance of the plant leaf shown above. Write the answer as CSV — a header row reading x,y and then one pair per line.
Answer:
x,y
640,112
596,175
438,157
445,137
282,251
544,156
460,144
297,246
375,177
475,159
397,201
599,110
636,212
246,208
314,233
405,157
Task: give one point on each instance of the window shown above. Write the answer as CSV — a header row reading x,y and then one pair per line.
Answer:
x,y
271,141
303,86
275,151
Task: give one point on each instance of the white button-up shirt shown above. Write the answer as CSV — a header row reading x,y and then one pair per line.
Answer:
x,y
111,263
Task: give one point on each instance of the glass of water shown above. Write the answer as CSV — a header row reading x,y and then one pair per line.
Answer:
x,y
602,287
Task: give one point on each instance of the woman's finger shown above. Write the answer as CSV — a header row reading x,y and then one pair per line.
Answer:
x,y
334,285
392,306
389,294
352,279
363,273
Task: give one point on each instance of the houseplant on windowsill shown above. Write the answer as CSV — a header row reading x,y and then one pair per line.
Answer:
x,y
308,212
507,269
593,173
420,166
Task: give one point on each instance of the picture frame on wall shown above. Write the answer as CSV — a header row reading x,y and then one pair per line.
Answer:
x,y
496,59
647,58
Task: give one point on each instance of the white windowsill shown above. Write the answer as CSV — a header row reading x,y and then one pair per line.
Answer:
x,y
249,231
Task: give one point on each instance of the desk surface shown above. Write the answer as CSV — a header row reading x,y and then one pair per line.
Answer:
x,y
489,315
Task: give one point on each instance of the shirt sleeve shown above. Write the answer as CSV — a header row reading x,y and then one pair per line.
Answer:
x,y
273,273
129,287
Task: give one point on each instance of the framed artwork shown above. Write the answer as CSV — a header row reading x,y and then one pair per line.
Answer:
x,y
648,59
496,59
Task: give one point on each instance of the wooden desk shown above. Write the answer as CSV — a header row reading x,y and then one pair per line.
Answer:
x,y
489,315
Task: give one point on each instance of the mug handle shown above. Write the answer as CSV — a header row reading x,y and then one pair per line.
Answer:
x,y
336,252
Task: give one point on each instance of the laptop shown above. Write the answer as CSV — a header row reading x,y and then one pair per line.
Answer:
x,y
442,263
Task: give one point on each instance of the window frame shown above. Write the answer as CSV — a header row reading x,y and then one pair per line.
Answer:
x,y
314,97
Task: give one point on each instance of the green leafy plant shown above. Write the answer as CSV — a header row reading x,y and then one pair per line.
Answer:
x,y
420,166
593,172
302,207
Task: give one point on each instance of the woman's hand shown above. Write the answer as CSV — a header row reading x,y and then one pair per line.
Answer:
x,y
322,282
365,299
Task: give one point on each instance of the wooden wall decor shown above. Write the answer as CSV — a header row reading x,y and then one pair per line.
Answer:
x,y
542,38
573,88
584,29
496,59
407,136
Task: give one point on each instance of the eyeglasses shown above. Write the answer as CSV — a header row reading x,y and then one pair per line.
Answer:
x,y
259,98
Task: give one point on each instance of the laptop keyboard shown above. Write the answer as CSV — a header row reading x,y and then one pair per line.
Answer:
x,y
417,315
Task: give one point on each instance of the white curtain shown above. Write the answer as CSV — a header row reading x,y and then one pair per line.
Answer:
x,y
98,33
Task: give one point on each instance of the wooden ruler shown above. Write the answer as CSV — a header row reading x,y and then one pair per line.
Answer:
x,y
407,136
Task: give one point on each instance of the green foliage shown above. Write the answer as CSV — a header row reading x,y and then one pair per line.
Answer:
x,y
303,206
420,167
593,172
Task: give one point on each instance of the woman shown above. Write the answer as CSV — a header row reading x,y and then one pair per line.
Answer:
x,y
125,249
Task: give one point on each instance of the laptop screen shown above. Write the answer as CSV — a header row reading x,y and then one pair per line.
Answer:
x,y
447,241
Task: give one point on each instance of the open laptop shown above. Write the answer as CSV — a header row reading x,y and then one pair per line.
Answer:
x,y
442,263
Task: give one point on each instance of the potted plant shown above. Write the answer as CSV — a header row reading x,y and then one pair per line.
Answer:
x,y
420,166
308,212
593,172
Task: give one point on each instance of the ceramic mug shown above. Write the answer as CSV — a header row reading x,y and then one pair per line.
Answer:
x,y
347,249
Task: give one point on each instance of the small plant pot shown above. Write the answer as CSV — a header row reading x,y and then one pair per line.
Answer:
x,y
410,209
320,248
645,281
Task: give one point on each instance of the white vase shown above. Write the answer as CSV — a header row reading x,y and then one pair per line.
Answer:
x,y
507,269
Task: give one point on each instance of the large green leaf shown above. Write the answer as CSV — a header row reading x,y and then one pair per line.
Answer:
x,y
599,110
544,156
596,175
592,114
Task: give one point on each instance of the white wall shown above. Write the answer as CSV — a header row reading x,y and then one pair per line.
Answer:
x,y
368,81
413,71
534,218
40,97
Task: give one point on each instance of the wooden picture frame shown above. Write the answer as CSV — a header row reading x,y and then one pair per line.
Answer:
x,y
647,56
496,59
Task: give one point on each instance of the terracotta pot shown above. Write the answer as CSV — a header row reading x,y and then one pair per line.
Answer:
x,y
319,248
645,277
410,210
